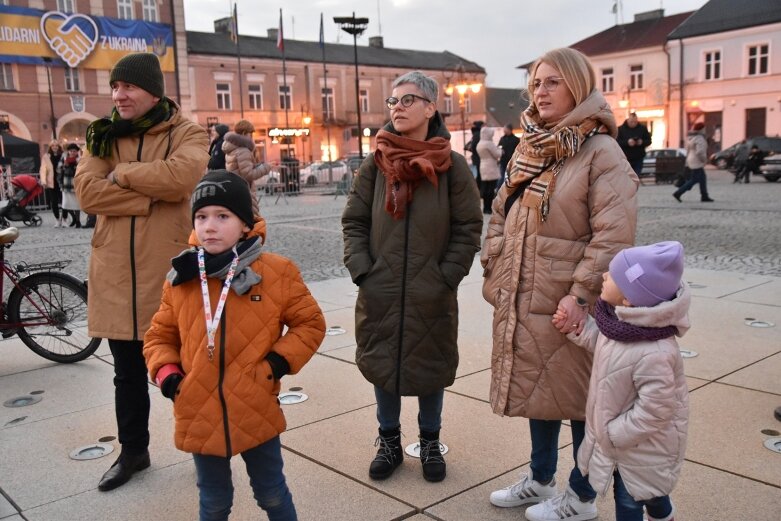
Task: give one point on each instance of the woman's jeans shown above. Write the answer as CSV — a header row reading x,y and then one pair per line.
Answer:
x,y
264,467
389,410
545,453
697,177
628,509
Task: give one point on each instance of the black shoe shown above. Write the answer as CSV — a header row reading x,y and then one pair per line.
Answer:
x,y
389,454
434,468
72,225
89,225
707,200
677,197
122,470
777,413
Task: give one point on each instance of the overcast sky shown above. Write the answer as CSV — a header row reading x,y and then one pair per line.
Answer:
x,y
497,34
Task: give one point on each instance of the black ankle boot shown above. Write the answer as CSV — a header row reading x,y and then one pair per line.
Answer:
x,y
389,454
434,468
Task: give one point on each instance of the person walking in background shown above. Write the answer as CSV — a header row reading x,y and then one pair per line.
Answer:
x,y
633,138
411,228
637,412
66,171
471,146
238,147
568,205
137,174
489,167
216,154
269,327
48,179
696,159
508,143
750,165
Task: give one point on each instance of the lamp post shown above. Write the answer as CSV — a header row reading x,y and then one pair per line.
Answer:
x,y
52,118
462,85
356,27
305,121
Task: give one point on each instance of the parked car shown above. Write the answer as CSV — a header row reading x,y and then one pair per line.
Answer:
x,y
269,183
325,172
725,159
353,161
649,162
771,167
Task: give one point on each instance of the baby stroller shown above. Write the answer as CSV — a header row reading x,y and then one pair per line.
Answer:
x,y
26,188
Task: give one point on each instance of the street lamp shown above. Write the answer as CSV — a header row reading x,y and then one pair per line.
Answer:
x,y
462,85
356,27
53,119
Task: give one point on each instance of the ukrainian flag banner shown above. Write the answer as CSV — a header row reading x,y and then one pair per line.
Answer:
x,y
78,40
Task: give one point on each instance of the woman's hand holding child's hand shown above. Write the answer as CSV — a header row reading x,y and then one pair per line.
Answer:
x,y
569,317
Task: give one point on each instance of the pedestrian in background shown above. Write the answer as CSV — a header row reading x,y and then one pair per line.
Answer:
x,y
508,143
411,226
48,179
216,154
266,325
633,137
66,172
239,148
750,165
137,174
568,205
490,154
471,146
637,412
696,159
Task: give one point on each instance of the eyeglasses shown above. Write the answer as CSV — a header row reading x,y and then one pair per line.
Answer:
x,y
406,101
549,84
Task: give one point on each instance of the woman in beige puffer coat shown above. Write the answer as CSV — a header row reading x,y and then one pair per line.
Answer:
x,y
239,159
567,207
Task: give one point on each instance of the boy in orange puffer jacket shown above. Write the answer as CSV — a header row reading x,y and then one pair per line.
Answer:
x,y
216,348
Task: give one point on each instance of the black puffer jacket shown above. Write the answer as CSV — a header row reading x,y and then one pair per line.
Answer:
x,y
406,316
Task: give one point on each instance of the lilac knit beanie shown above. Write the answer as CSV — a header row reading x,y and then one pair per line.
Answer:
x,y
648,275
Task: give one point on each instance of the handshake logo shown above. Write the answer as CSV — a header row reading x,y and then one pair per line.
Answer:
x,y
72,37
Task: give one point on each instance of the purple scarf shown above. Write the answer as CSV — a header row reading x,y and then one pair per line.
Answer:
x,y
615,329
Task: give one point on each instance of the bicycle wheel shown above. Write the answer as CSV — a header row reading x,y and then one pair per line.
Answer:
x,y
53,307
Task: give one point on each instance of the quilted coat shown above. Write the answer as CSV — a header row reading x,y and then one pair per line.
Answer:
x,y
637,413
239,160
490,154
408,270
530,265
143,221
228,405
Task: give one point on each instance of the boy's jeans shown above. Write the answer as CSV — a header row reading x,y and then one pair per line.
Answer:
x,y
628,509
545,452
264,467
389,410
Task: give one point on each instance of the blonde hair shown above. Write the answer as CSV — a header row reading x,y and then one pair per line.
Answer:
x,y
574,67
52,143
243,127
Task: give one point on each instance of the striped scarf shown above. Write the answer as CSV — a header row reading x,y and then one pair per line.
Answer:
x,y
102,132
541,155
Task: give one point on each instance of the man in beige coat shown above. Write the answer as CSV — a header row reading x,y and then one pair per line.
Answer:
x,y
137,175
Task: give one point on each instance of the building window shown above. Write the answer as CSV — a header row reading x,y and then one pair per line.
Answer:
x,y
150,11
72,80
66,6
125,9
285,97
448,104
224,96
6,77
758,58
255,96
713,65
467,102
363,94
3,2
608,80
635,77
327,95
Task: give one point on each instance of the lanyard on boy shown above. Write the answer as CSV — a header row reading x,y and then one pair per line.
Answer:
x,y
212,323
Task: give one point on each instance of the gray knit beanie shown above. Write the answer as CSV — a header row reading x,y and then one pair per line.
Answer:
x,y
141,69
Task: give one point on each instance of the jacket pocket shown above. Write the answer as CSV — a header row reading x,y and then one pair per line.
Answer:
x,y
490,259
554,267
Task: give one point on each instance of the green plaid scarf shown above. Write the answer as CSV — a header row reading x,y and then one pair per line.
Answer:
x,y
542,153
102,132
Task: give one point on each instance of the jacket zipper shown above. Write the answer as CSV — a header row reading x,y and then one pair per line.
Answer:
x,y
134,296
403,299
225,428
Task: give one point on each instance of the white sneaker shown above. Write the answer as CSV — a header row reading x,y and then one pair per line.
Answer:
x,y
566,506
525,491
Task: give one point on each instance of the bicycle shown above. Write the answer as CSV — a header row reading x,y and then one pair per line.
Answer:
x,y
47,309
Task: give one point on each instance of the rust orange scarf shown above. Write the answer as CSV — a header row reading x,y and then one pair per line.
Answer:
x,y
405,163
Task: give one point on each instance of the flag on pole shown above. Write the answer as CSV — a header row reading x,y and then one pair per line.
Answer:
x,y
234,28
322,33
280,34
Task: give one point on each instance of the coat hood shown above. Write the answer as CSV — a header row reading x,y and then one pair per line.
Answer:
x,y
486,134
234,140
669,313
594,106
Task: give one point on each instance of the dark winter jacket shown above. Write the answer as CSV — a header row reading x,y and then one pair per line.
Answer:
x,y
408,270
216,154
625,133
508,144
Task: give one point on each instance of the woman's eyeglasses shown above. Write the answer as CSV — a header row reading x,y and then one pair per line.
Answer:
x,y
549,84
406,101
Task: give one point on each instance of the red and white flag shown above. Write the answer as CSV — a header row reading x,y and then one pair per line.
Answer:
x,y
280,34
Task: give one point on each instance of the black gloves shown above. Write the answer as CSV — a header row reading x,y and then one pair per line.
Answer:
x,y
279,366
171,385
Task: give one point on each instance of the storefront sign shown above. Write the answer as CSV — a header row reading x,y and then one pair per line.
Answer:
x,y
288,132
93,42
